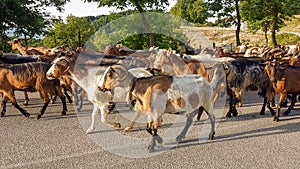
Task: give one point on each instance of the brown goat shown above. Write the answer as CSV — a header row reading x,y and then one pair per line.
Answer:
x,y
285,80
171,64
28,50
28,77
118,50
16,44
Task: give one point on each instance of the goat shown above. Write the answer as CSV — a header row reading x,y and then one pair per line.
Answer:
x,y
28,50
220,52
118,50
285,80
242,48
242,75
28,77
17,59
171,64
42,54
64,67
161,94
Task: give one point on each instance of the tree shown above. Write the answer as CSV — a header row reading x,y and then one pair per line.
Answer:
x,y
227,10
191,10
140,5
269,15
74,32
25,17
129,31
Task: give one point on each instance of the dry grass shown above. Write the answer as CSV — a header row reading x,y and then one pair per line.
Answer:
x,y
292,25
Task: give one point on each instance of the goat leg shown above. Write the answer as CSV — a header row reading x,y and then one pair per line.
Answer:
x,y
189,120
130,126
271,109
21,109
263,109
67,95
232,109
3,108
294,99
53,97
200,111
65,109
26,102
42,111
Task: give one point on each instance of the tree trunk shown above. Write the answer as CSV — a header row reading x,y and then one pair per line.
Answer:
x,y
146,25
79,39
238,26
266,37
274,25
2,42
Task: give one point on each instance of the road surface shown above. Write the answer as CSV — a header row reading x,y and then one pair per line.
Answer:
x,y
54,141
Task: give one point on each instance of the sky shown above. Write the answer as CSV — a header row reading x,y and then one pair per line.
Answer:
x,y
80,8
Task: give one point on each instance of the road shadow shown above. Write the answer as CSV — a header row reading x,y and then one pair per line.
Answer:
x,y
268,131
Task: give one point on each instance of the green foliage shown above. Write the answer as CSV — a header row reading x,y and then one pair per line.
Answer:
x,y
191,10
129,30
24,17
224,10
141,41
74,32
124,4
268,15
140,5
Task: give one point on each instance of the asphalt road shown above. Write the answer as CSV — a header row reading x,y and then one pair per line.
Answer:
x,y
54,141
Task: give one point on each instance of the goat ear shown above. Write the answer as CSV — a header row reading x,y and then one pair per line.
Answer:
x,y
112,69
225,66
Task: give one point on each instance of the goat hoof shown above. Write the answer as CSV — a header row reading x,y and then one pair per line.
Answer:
x,y
38,116
228,115
262,113
26,102
240,104
27,115
234,114
276,119
117,125
89,130
64,112
127,129
179,138
211,136
2,114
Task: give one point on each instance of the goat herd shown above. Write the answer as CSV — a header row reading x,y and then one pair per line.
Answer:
x,y
154,81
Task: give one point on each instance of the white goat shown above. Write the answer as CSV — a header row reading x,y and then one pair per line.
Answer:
x,y
88,81
161,94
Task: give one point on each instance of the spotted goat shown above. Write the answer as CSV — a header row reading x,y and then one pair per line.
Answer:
x,y
161,94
